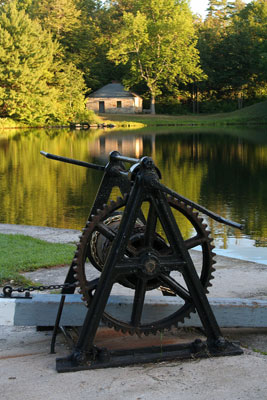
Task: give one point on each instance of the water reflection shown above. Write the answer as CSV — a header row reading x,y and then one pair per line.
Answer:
x,y
224,170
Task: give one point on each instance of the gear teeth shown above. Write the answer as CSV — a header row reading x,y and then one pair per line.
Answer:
x,y
109,324
100,212
170,327
214,262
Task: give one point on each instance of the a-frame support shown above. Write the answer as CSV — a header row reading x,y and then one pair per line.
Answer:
x,y
85,355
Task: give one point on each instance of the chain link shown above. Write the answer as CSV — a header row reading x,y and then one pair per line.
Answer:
x,y
8,290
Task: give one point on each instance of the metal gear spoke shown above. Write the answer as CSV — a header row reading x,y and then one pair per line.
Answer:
x,y
175,287
194,242
106,231
138,302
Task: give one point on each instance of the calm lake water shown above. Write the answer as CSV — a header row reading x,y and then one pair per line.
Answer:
x,y
225,170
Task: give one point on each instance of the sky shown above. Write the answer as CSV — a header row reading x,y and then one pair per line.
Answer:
x,y
200,6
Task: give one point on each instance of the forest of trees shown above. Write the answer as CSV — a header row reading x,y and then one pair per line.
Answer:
x,y
54,52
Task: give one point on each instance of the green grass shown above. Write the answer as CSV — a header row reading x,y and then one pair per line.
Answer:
x,y
21,253
255,114
263,353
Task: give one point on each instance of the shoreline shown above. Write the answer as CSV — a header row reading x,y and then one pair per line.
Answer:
x,y
64,235
233,276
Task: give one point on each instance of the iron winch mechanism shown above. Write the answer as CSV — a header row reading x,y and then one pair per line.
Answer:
x,y
135,243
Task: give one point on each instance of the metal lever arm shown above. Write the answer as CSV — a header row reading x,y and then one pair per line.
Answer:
x,y
72,161
155,184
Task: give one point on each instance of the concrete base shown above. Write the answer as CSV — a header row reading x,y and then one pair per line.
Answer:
x,y
41,310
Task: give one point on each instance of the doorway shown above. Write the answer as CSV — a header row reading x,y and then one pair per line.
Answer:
x,y
101,106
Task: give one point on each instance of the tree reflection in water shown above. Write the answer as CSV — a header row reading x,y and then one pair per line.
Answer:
x,y
224,170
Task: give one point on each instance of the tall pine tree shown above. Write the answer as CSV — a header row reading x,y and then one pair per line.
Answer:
x,y
33,80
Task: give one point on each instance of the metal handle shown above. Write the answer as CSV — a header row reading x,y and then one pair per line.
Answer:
x,y
72,161
154,183
115,155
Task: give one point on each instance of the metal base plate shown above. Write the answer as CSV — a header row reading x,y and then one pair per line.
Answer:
x,y
119,358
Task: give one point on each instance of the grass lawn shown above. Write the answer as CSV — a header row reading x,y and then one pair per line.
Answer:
x,y
21,253
255,114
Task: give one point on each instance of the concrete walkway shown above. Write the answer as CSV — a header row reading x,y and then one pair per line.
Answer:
x,y
28,370
53,235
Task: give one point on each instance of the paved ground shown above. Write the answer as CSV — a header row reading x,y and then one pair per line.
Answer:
x,y
28,370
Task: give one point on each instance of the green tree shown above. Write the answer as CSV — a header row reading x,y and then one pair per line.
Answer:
x,y
232,51
86,45
252,24
57,16
217,9
157,43
71,93
34,83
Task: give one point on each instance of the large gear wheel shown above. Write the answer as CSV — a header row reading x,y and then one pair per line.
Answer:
x,y
93,247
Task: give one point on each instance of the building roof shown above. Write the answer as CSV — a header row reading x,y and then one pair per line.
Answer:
x,y
113,90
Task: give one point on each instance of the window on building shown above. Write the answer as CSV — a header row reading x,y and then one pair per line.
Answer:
x,y
118,104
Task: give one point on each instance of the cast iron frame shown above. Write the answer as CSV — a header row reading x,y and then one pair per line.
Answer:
x,y
139,183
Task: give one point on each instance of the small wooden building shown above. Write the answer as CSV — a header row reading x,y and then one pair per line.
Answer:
x,y
114,98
